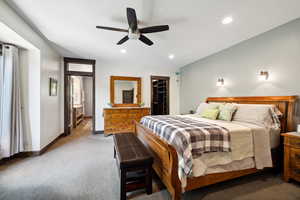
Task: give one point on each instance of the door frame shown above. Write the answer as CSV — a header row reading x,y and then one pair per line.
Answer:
x,y
67,73
167,78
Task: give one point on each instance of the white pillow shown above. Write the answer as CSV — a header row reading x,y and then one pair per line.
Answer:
x,y
204,106
261,115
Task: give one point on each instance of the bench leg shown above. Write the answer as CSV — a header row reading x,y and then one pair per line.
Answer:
x,y
114,152
123,184
149,180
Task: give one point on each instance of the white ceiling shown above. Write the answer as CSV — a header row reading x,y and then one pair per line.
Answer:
x,y
195,32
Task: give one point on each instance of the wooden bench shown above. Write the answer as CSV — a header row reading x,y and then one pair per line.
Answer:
x,y
134,162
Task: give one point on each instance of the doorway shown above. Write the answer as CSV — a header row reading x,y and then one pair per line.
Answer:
x,y
79,94
160,92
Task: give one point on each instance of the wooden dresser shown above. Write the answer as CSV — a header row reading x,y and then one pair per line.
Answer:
x,y
121,119
291,156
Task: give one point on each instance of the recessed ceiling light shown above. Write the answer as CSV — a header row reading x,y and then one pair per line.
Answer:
x,y
227,20
123,51
171,56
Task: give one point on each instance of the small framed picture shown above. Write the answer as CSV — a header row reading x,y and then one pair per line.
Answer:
x,y
53,87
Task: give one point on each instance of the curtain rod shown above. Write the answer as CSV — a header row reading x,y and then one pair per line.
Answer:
x,y
5,43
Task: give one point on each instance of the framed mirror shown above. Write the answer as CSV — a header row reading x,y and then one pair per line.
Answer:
x,y
125,91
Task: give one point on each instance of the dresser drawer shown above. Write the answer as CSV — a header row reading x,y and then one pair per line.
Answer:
x,y
122,120
146,112
292,141
132,115
107,111
295,163
295,158
291,156
119,115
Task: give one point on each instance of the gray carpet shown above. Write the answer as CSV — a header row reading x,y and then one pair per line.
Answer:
x,y
82,167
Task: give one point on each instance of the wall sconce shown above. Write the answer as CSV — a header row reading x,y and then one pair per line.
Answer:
x,y
220,82
263,75
177,76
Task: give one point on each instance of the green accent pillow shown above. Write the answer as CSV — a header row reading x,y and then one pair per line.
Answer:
x,y
227,111
210,113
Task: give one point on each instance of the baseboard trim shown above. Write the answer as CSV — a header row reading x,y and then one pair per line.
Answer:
x,y
43,150
32,153
98,132
20,155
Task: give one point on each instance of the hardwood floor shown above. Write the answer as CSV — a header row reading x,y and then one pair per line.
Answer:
x,y
84,129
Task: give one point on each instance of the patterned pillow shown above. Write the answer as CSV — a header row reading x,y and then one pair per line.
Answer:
x,y
227,111
210,113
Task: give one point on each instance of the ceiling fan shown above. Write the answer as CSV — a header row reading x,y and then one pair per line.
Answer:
x,y
133,31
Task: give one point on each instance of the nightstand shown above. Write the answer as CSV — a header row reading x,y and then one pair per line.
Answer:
x,y
291,156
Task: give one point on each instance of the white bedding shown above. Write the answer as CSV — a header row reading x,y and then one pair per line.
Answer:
x,y
250,145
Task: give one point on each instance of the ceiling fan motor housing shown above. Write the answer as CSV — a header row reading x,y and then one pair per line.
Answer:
x,y
133,35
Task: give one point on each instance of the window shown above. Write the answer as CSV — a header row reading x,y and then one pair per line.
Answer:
x,y
74,67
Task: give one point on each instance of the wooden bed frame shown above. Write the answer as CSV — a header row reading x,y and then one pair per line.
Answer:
x,y
165,156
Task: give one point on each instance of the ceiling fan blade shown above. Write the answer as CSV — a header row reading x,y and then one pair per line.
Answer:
x,y
145,40
112,29
154,29
131,18
124,39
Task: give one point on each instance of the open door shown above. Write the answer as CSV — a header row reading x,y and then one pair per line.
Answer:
x,y
160,95
76,67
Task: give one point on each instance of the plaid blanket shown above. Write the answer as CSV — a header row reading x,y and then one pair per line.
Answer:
x,y
191,138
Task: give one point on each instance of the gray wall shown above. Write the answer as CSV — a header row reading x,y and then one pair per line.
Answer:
x,y
43,109
278,51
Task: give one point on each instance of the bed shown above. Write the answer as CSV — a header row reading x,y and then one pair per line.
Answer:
x,y
166,158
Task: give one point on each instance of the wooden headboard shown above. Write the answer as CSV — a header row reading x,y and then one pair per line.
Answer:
x,y
286,105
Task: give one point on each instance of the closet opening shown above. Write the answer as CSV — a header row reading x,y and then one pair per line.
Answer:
x,y
160,92
79,96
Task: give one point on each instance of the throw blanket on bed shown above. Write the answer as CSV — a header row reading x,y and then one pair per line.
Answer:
x,y
190,137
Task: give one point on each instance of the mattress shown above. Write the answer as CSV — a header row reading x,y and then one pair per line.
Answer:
x,y
241,147
274,134
242,155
